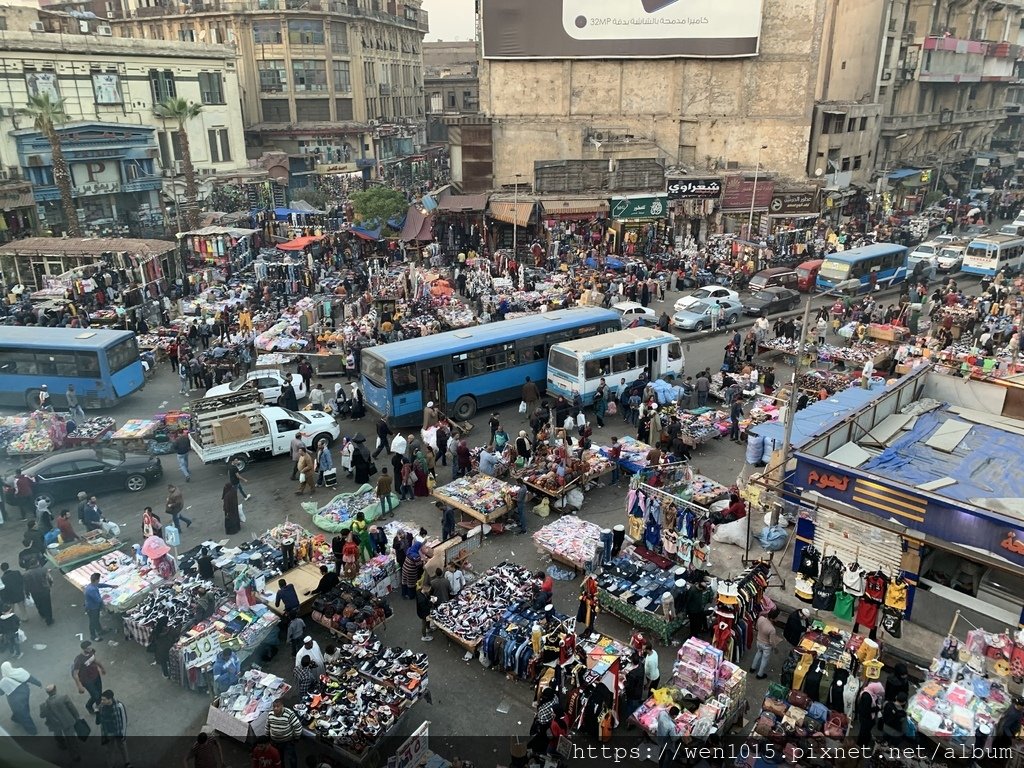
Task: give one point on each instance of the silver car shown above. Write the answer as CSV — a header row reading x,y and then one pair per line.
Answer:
x,y
701,315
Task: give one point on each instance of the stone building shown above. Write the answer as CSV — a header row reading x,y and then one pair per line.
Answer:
x,y
451,85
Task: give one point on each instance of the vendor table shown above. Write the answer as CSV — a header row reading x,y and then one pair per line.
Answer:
x,y
633,458
240,725
134,433
303,577
91,431
492,497
570,541
654,623
84,549
130,583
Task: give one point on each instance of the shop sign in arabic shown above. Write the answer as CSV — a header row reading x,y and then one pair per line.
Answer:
x,y
825,480
693,189
1012,544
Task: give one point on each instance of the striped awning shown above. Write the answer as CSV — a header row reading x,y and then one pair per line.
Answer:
x,y
574,206
511,212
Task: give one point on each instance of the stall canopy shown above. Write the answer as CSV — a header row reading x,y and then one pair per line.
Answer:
x,y
418,226
574,207
813,419
448,203
902,173
366,234
301,206
229,231
511,212
299,243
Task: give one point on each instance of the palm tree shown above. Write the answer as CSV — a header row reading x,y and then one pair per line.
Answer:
x,y
46,115
181,111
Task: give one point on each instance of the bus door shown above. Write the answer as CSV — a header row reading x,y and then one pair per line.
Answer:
x,y
653,362
432,386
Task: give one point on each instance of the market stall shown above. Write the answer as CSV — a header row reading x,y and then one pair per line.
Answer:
x,y
555,472
337,514
466,618
135,434
674,520
241,711
42,432
89,546
570,541
91,431
176,604
632,587
129,581
481,497
348,608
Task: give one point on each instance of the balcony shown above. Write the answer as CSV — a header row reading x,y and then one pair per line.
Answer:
x,y
411,18
955,60
901,123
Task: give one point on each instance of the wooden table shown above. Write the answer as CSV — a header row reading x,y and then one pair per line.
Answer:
x,y
487,518
304,577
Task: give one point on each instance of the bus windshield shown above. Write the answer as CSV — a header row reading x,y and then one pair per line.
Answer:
x,y
563,363
373,369
122,354
834,270
980,251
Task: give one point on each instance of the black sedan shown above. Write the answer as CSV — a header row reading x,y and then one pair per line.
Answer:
x,y
62,474
769,301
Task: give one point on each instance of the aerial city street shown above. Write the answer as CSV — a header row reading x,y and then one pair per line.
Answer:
x,y
511,383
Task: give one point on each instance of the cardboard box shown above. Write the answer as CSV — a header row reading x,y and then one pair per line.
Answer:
x,y
231,430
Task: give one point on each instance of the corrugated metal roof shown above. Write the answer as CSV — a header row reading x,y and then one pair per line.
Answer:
x,y
569,206
511,213
85,246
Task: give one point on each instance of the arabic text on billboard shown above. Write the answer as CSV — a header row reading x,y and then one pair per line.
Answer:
x,y
738,191
693,189
619,29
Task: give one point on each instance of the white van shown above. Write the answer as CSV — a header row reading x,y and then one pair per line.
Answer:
x,y
579,365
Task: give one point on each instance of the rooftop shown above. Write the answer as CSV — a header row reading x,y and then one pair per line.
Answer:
x,y
49,42
85,246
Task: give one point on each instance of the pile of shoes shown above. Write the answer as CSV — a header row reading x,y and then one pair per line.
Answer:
x,y
349,609
469,615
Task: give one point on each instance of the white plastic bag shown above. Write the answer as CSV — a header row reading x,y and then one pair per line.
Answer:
x,y
241,513
522,406
734,533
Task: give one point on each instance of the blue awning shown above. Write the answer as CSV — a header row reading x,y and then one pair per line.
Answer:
x,y
819,415
903,173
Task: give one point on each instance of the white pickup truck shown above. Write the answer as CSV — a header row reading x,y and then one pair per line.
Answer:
x,y
239,425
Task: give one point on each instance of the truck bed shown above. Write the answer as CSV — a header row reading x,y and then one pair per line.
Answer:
x,y
229,424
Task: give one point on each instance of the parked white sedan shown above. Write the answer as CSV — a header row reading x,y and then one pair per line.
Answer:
x,y
708,293
269,383
633,314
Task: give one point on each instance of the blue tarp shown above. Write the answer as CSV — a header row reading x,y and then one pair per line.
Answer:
x,y
610,263
429,202
397,222
979,463
813,419
903,173
365,234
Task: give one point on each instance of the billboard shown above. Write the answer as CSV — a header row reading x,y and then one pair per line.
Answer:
x,y
619,29
738,191
693,189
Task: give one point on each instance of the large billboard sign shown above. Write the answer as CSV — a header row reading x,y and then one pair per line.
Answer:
x,y
619,29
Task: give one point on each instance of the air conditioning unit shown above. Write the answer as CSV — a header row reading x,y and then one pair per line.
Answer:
x,y
598,135
103,30
373,123
179,167
110,15
37,26
13,172
167,173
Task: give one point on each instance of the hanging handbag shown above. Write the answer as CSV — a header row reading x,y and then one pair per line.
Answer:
x,y
82,729
836,725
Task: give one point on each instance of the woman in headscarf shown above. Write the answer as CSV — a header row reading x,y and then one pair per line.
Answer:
x,y
869,705
412,569
419,463
229,501
523,447
587,611
361,460
14,683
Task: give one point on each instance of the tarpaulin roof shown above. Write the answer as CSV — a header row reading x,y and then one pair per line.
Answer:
x,y
397,222
418,225
902,173
299,243
574,206
813,419
456,203
511,212
301,206
214,230
365,234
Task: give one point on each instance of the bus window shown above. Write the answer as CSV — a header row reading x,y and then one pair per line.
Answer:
x,y
624,362
22,362
459,367
675,351
88,364
57,363
403,379
595,369
531,352
563,363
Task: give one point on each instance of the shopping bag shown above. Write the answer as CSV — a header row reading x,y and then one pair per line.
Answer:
x,y
522,406
82,729
22,637
241,513
302,477
29,601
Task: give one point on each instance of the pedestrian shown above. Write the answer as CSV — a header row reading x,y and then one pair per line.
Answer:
x,y
317,397
735,414
236,478
868,708
24,493
60,714
439,586
175,506
64,525
112,718
424,604
530,396
44,398
9,636
634,693
447,520
702,386
284,730
205,752
456,578
383,433
588,607
93,515
305,675
294,447
296,631
363,467
14,684
384,489
14,589
87,672
1009,725
652,670
430,416
601,395
265,754
667,736
226,670
182,447
38,582
796,625
74,406
522,492
93,606
766,640
324,463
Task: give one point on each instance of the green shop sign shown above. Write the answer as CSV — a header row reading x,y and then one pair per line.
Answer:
x,y
639,207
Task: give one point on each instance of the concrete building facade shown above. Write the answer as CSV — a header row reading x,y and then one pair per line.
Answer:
x,y
451,84
333,84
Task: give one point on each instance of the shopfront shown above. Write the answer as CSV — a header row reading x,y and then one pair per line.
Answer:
x,y
511,218
575,222
792,216
737,194
915,484
639,225
17,211
694,203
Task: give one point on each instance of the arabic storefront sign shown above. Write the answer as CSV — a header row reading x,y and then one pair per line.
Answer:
x,y
823,480
97,188
652,207
694,189
794,203
738,190
328,168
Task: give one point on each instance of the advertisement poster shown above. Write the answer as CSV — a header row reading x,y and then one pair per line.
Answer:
x,y
42,83
107,88
619,29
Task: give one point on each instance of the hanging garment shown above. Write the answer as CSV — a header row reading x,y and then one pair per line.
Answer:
x,y
809,560
896,595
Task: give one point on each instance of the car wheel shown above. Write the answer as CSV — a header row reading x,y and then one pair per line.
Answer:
x,y
45,497
324,437
241,461
136,483
732,319
465,408
32,399
699,326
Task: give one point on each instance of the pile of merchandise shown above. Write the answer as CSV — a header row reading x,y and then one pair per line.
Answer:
x,y
633,457
524,637
554,471
348,609
337,515
569,540
129,582
379,575
252,698
481,493
467,616
635,589
177,604
709,691
84,549
90,431
43,433
814,381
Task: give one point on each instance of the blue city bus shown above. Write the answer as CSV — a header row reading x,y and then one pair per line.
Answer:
x,y
103,365
887,260
464,370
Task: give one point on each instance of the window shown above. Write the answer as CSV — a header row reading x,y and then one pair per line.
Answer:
x,y
467,100
451,99
624,362
864,123
220,148
65,469
316,109
436,103
369,73
851,125
275,110
170,147
272,76
309,75
287,425
564,363
403,379
857,161
211,87
161,85
595,369
675,351
342,77
343,107
845,165
122,354
305,32
56,363
266,32
531,351
339,37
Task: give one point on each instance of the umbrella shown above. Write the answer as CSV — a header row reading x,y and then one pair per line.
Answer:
x,y
154,548
974,211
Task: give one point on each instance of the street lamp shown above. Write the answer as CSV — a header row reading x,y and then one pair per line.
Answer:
x,y
753,194
515,216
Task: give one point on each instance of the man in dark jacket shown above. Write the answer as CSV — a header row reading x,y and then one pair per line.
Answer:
x,y
424,604
383,434
60,715
634,693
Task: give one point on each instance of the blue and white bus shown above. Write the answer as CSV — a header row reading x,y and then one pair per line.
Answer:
x,y
887,260
464,370
579,366
103,365
991,254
